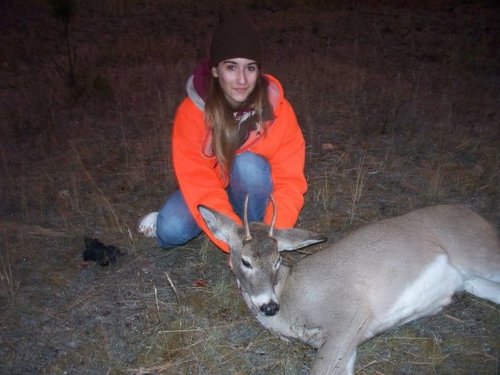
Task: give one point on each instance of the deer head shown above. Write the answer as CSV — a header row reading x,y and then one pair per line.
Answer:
x,y
255,253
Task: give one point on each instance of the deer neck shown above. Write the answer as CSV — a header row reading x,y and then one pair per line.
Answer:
x,y
282,278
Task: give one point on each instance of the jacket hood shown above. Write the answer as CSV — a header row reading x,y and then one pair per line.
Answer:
x,y
197,84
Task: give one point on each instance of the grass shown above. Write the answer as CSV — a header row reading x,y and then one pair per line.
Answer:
x,y
358,186
8,282
409,116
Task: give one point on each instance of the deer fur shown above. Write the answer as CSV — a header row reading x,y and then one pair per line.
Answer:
x,y
381,275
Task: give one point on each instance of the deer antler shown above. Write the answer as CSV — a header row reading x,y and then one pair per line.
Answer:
x,y
273,220
248,236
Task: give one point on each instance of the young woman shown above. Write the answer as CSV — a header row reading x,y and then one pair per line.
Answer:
x,y
234,134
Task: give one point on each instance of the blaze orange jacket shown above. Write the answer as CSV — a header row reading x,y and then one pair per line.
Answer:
x,y
199,176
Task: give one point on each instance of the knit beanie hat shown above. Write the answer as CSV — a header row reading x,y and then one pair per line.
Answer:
x,y
236,36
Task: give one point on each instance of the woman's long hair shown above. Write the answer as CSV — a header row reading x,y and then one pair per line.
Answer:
x,y
219,115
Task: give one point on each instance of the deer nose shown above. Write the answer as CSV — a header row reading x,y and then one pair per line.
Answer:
x,y
270,308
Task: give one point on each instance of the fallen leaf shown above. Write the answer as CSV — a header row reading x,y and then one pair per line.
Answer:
x,y
200,283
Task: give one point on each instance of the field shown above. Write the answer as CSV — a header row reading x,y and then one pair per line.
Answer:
x,y
398,102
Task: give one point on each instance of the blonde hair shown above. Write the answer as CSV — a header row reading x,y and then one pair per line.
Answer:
x,y
219,116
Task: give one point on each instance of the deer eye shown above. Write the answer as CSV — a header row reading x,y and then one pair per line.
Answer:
x,y
278,263
246,264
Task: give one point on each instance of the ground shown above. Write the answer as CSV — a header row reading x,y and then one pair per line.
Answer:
x,y
399,107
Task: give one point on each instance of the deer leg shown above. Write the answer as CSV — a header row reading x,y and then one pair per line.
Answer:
x,y
334,359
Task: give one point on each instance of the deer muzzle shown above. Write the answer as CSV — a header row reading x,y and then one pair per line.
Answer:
x,y
270,308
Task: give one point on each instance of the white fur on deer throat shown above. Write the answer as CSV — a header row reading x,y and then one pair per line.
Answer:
x,y
427,295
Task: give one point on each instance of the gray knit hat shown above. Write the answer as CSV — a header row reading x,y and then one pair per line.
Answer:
x,y
236,36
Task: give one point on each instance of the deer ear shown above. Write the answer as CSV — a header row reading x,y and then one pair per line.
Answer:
x,y
293,239
222,227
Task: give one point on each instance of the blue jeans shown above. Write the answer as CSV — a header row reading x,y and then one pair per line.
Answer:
x,y
250,174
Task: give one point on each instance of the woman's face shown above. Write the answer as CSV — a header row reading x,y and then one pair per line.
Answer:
x,y
237,78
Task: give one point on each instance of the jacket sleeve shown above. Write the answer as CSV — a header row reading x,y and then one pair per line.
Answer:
x,y
197,176
287,166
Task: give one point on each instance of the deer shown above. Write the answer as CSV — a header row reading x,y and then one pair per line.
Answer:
x,y
379,276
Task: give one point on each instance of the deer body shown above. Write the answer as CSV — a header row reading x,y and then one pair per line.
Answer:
x,y
379,276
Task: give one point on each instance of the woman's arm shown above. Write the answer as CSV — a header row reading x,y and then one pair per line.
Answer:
x,y
198,176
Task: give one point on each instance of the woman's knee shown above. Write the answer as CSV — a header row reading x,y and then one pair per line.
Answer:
x,y
173,232
252,171
175,225
251,176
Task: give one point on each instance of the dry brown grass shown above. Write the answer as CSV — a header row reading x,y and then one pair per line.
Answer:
x,y
8,281
406,96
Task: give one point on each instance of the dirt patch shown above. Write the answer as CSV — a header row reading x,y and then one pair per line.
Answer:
x,y
404,96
